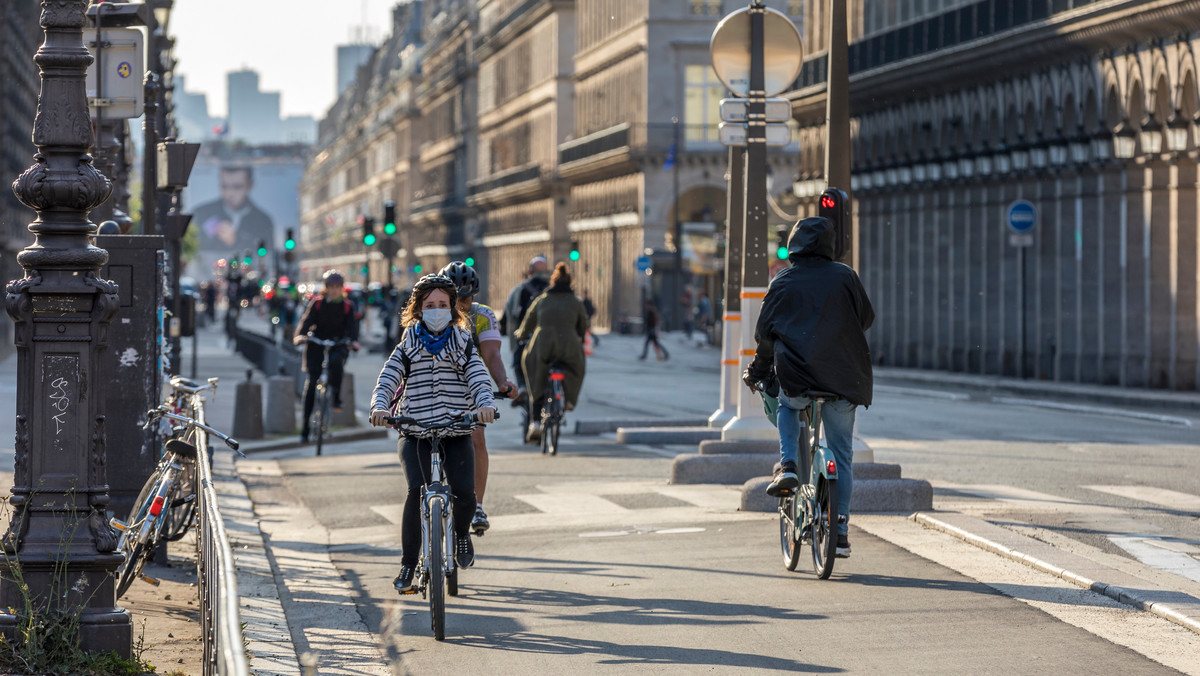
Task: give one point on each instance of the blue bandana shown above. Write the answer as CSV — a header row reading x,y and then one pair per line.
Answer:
x,y
432,343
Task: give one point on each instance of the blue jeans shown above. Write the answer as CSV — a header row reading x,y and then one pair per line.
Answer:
x,y
837,419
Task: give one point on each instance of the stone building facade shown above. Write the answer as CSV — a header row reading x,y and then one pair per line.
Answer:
x,y
512,128
20,36
1088,110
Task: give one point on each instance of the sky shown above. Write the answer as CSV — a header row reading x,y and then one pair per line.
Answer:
x,y
291,43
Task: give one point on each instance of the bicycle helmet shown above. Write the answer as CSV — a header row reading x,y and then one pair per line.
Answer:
x,y
463,276
431,282
334,278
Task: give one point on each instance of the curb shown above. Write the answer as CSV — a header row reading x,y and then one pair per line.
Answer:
x,y
1138,598
666,436
610,425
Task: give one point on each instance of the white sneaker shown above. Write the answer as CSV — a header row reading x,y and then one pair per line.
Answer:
x,y
535,431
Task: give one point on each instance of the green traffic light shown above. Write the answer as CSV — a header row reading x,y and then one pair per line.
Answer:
x,y
389,228
369,239
574,256
417,269
246,260
262,251
290,244
365,269
470,262
782,253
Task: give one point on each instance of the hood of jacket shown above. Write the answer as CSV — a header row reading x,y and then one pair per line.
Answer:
x,y
812,237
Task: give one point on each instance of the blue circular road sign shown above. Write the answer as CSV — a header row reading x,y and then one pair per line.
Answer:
x,y
1022,216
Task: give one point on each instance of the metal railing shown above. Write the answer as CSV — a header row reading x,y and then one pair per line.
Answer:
x,y
224,650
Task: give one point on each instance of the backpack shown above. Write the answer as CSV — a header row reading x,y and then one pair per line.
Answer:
x,y
345,309
406,362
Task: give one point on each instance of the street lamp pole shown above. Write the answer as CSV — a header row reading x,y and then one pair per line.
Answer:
x,y
59,534
837,117
751,422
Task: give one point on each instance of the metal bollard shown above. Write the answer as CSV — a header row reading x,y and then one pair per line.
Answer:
x,y
280,409
345,417
247,409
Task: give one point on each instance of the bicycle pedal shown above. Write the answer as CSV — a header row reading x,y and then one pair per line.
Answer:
x,y
152,580
410,592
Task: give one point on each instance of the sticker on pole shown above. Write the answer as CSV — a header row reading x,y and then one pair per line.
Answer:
x,y
1022,219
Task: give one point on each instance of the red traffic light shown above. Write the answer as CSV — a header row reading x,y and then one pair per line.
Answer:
x,y
827,202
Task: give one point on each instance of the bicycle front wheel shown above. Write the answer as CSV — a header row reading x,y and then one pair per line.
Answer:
x,y
551,433
321,417
824,527
789,532
437,571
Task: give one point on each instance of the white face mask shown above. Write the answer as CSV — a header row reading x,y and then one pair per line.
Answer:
x,y
436,319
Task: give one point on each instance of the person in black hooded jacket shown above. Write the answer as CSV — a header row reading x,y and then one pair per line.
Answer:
x,y
811,336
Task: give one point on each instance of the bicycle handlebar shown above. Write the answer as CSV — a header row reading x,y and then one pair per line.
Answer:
x,y
187,386
327,343
464,420
164,412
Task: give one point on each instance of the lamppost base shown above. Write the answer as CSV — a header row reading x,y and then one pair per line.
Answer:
x,y
749,427
720,418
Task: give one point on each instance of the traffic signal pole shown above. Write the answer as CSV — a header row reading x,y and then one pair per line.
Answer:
x,y
751,422
837,119
731,318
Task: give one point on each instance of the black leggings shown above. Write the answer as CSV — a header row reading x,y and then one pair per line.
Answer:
x,y
314,356
458,464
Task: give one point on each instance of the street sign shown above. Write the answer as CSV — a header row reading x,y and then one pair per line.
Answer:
x,y
643,263
783,51
734,134
1022,219
738,110
120,63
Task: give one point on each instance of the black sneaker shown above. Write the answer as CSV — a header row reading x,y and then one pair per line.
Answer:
x,y
404,581
304,437
464,551
479,524
843,546
785,481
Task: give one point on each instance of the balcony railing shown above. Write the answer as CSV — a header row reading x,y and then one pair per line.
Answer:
x,y
651,139
511,177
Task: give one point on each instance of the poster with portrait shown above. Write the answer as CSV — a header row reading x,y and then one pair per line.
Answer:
x,y
239,200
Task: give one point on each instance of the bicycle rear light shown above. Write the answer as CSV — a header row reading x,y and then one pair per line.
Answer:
x,y
157,506
832,467
558,377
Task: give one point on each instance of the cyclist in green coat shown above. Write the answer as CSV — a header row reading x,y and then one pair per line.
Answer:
x,y
555,326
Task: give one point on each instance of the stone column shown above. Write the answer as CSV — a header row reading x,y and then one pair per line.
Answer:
x,y
59,537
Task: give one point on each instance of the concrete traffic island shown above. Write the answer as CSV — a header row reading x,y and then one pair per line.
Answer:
x,y
877,488
666,436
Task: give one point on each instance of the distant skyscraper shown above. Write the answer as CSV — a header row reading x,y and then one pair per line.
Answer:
x,y
191,113
349,58
253,113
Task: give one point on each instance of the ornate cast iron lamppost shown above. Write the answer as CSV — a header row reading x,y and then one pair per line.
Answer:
x,y
59,534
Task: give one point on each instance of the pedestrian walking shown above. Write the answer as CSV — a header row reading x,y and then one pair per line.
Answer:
x,y
650,318
704,317
590,308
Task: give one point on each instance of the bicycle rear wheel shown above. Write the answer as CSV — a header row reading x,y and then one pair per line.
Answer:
x,y
789,533
135,559
437,571
824,527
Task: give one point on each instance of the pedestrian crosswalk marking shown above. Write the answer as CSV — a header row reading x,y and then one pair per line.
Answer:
x,y
567,503
1149,552
1157,496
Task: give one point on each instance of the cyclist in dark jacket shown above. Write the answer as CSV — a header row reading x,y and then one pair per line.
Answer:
x,y
811,335
330,316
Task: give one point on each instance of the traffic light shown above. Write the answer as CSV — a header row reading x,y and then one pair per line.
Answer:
x,y
574,255
389,218
290,242
246,259
262,248
368,230
781,251
365,269
470,261
835,205
417,269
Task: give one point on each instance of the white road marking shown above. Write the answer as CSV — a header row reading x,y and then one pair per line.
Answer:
x,y
916,392
1095,410
1157,496
1149,552
565,503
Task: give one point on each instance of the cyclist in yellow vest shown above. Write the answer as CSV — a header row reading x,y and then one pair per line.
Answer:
x,y
485,331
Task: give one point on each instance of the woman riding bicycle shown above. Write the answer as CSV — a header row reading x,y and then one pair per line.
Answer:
x,y
485,332
437,372
555,326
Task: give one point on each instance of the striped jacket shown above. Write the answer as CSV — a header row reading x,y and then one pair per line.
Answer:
x,y
455,380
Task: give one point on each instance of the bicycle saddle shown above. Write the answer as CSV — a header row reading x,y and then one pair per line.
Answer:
x,y
181,448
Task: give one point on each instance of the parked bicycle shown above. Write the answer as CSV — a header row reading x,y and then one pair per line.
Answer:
x,y
437,572
809,513
553,408
160,495
185,399
322,412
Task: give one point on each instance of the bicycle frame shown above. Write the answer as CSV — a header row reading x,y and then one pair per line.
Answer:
x,y
435,491
821,458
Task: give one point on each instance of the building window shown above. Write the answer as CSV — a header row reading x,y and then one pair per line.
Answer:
x,y
706,7
795,8
702,104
